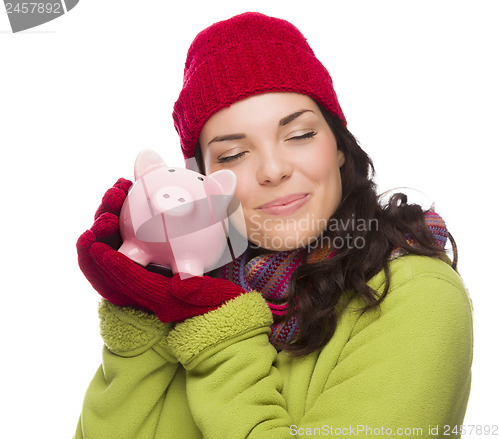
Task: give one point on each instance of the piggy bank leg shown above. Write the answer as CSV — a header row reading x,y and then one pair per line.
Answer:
x,y
187,269
135,252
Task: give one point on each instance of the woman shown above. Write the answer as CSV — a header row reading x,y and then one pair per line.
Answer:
x,y
342,317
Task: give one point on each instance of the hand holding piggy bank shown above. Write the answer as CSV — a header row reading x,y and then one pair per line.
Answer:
x,y
176,217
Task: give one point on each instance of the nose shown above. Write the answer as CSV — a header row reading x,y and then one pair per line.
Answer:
x,y
274,167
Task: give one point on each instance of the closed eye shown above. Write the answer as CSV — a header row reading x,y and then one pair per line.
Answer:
x,y
230,157
303,136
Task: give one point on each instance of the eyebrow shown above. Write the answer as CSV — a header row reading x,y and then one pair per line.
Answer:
x,y
285,121
227,137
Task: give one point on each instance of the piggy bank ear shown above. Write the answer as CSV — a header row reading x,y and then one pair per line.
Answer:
x,y
146,161
226,179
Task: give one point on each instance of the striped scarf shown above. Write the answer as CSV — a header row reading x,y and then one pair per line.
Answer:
x,y
270,273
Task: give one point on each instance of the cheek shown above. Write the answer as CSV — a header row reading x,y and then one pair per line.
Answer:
x,y
323,170
243,196
322,163
241,192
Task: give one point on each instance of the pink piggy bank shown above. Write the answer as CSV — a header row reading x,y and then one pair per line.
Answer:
x,y
175,217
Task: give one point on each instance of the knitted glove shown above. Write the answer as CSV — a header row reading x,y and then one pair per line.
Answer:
x,y
123,282
104,233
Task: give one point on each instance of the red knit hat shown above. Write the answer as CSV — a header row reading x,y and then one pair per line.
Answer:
x,y
243,56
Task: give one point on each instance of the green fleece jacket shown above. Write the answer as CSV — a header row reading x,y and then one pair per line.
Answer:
x,y
402,370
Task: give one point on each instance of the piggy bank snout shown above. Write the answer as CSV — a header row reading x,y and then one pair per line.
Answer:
x,y
173,200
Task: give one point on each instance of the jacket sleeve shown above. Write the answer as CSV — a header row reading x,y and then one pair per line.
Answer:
x,y
404,365
125,397
232,384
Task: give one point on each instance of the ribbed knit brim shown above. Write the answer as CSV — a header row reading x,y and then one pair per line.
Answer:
x,y
246,55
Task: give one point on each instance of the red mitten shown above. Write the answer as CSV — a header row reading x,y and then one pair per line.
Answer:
x,y
170,298
123,282
104,233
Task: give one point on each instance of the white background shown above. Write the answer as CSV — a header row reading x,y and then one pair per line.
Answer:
x,y
81,95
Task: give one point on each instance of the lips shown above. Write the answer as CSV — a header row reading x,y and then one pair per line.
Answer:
x,y
283,201
285,205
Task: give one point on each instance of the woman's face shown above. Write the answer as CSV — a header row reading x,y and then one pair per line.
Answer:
x,y
286,160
